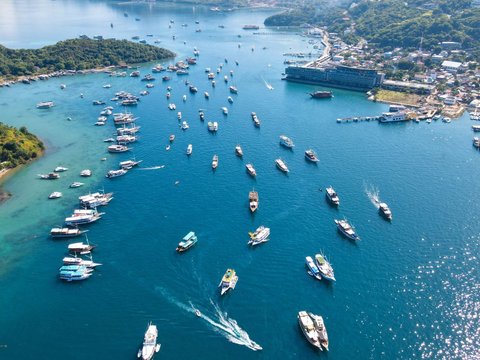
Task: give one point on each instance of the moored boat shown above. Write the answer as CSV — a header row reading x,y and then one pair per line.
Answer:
x,y
281,165
60,169
311,156
253,200
150,346
251,170
49,176
229,281
325,267
117,148
66,232
238,151
74,260
128,164
332,196
115,173
259,236
286,141
346,229
45,105
86,173
215,162
76,184
81,248
171,138
55,195
189,149
312,268
187,242
308,329
385,211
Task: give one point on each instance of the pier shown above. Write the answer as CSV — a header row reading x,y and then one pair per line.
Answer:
x,y
358,119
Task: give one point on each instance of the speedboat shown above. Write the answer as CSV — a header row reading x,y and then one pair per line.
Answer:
x,y
81,248
286,141
49,176
150,346
259,236
66,232
281,165
312,268
253,200
189,149
311,156
115,173
229,280
86,173
187,242
198,313
118,148
55,195
60,169
385,211
332,196
308,329
76,184
238,151
214,162
346,229
325,267
251,170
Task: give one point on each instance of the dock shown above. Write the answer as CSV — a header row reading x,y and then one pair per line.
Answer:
x,y
358,119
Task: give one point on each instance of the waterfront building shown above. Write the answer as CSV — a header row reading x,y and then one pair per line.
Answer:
x,y
407,86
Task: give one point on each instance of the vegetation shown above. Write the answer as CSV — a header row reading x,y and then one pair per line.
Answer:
x,y
397,97
76,54
17,146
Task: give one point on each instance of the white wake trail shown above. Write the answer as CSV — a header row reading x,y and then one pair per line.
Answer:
x,y
373,194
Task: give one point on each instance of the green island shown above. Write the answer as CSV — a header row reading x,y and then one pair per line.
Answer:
x,y
18,146
76,54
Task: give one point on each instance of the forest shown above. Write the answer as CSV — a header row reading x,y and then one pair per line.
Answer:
x,y
18,146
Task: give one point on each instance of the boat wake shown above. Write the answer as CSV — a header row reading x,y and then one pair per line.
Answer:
x,y
269,86
153,167
373,194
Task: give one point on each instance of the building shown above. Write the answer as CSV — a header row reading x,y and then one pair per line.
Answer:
x,y
451,66
406,86
335,75
450,45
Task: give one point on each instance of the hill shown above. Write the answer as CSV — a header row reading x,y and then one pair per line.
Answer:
x,y
18,146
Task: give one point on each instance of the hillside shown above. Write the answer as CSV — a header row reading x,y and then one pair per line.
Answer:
x,y
17,146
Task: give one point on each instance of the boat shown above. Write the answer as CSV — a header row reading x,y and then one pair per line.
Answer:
x,y
115,173
311,156
117,148
76,184
81,273
319,326
128,130
286,141
201,114
308,329
66,232
187,242
253,200
98,102
325,267
148,77
281,165
207,95
214,162
83,217
233,89
346,229
45,105
225,111
74,260
55,195
321,95
212,126
86,173
476,128
393,117
192,89
60,169
332,196
172,106
109,140
179,115
230,100
476,142
446,120
259,236
312,268
229,281
251,170
189,149
238,151
171,138
128,164
184,125
91,201
126,139
49,176
81,248
198,313
150,346
385,211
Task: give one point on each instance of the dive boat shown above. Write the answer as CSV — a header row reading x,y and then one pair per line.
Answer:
x,y
189,149
308,329
311,156
251,170
286,141
229,280
319,326
259,236
150,346
332,196
238,151
312,268
346,229
214,162
128,164
115,173
55,195
253,200
49,176
117,148
187,242
281,165
66,232
81,248
324,266
385,211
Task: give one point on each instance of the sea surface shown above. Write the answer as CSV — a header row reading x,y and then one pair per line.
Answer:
x,y
408,289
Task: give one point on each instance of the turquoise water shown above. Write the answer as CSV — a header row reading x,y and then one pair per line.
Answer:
x,y
408,289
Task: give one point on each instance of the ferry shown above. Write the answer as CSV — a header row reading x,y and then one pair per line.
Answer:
x,y
150,346
332,196
238,151
251,170
253,200
45,105
325,267
286,141
187,242
115,173
229,281
346,229
214,162
312,268
385,211
259,236
311,156
281,165
321,95
189,149
66,232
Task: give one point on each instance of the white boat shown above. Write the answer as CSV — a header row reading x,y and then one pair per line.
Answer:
x,y
281,165
229,281
172,106
179,115
238,151
76,184
385,211
312,268
74,260
253,200
207,95
212,126
286,141
308,329
91,201
81,248
325,267
82,217
189,149
115,173
230,99
86,173
55,195
117,148
126,139
128,164
45,105
251,170
150,346
185,125
225,110
332,196
259,236
346,229
214,162
60,169
311,156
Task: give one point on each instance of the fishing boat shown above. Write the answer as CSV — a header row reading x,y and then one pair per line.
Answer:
x,y
312,268
76,184
117,148
286,141
187,242
55,195
150,346
60,169
229,281
311,156
325,267
332,196
281,165
86,173
214,162
189,149
385,211
49,176
321,95
259,236
238,151
253,200
251,170
346,229
81,248
308,329
66,232
45,105
115,173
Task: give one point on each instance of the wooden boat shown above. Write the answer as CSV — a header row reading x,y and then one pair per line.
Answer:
x,y
253,199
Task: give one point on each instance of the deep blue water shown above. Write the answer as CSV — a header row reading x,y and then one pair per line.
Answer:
x,y
408,289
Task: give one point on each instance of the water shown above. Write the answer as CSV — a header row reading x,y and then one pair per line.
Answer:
x,y
408,289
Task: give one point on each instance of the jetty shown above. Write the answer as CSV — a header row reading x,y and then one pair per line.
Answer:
x,y
358,119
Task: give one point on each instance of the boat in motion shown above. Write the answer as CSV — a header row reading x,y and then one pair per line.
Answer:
x,y
325,267
385,211
311,156
150,346
314,329
83,217
281,165
229,281
259,236
346,229
332,196
187,242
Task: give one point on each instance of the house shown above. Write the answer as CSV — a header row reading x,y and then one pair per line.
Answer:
x,y
451,66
